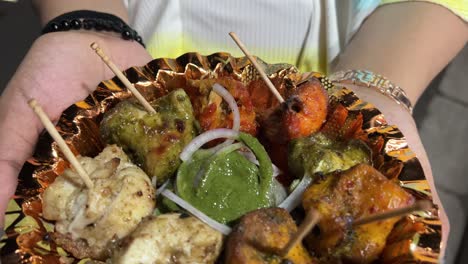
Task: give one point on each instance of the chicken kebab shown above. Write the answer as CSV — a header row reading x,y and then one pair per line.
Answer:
x,y
200,148
337,154
260,237
344,197
341,199
90,222
86,219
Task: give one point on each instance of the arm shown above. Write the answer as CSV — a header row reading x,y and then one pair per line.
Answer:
x,y
398,39
409,43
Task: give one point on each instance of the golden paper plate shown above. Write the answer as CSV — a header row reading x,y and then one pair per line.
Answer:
x,y
415,239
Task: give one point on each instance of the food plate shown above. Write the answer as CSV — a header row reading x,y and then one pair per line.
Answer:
x,y
414,239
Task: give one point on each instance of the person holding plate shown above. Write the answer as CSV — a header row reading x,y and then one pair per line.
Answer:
x,y
408,42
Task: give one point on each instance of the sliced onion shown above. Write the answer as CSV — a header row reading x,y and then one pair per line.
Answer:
x,y
278,192
162,188
204,138
294,199
248,154
221,91
224,229
154,181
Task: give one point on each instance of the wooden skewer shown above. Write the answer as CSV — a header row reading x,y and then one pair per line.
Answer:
x,y
257,66
421,205
122,78
312,218
60,142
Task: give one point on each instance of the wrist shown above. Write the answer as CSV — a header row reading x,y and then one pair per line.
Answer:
x,y
375,82
394,113
92,21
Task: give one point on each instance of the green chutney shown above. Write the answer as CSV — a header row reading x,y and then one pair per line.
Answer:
x,y
230,185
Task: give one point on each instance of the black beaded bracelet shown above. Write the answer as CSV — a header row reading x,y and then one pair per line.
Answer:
x,y
87,19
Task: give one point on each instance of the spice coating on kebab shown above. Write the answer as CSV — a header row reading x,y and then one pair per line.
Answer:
x,y
88,220
260,237
302,114
154,141
321,154
345,197
170,238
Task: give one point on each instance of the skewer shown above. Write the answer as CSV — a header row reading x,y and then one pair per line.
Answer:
x,y
122,78
421,205
312,218
60,142
257,66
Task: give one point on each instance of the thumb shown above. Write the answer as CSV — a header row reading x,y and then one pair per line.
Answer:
x,y
9,180
19,130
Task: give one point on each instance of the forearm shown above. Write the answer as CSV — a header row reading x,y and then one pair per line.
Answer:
x,y
409,43
49,9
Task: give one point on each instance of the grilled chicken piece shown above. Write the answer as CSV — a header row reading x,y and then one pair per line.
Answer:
x,y
261,235
303,113
154,141
344,197
170,238
321,154
87,220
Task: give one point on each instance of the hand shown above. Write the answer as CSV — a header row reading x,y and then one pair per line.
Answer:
x,y
397,115
59,70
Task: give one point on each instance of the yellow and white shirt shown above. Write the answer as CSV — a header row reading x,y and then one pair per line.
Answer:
x,y
305,33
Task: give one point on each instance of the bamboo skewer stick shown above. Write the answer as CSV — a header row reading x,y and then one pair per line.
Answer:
x,y
421,205
60,142
257,66
122,78
312,218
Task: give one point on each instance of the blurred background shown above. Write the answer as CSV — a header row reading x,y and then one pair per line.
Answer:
x,y
441,115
